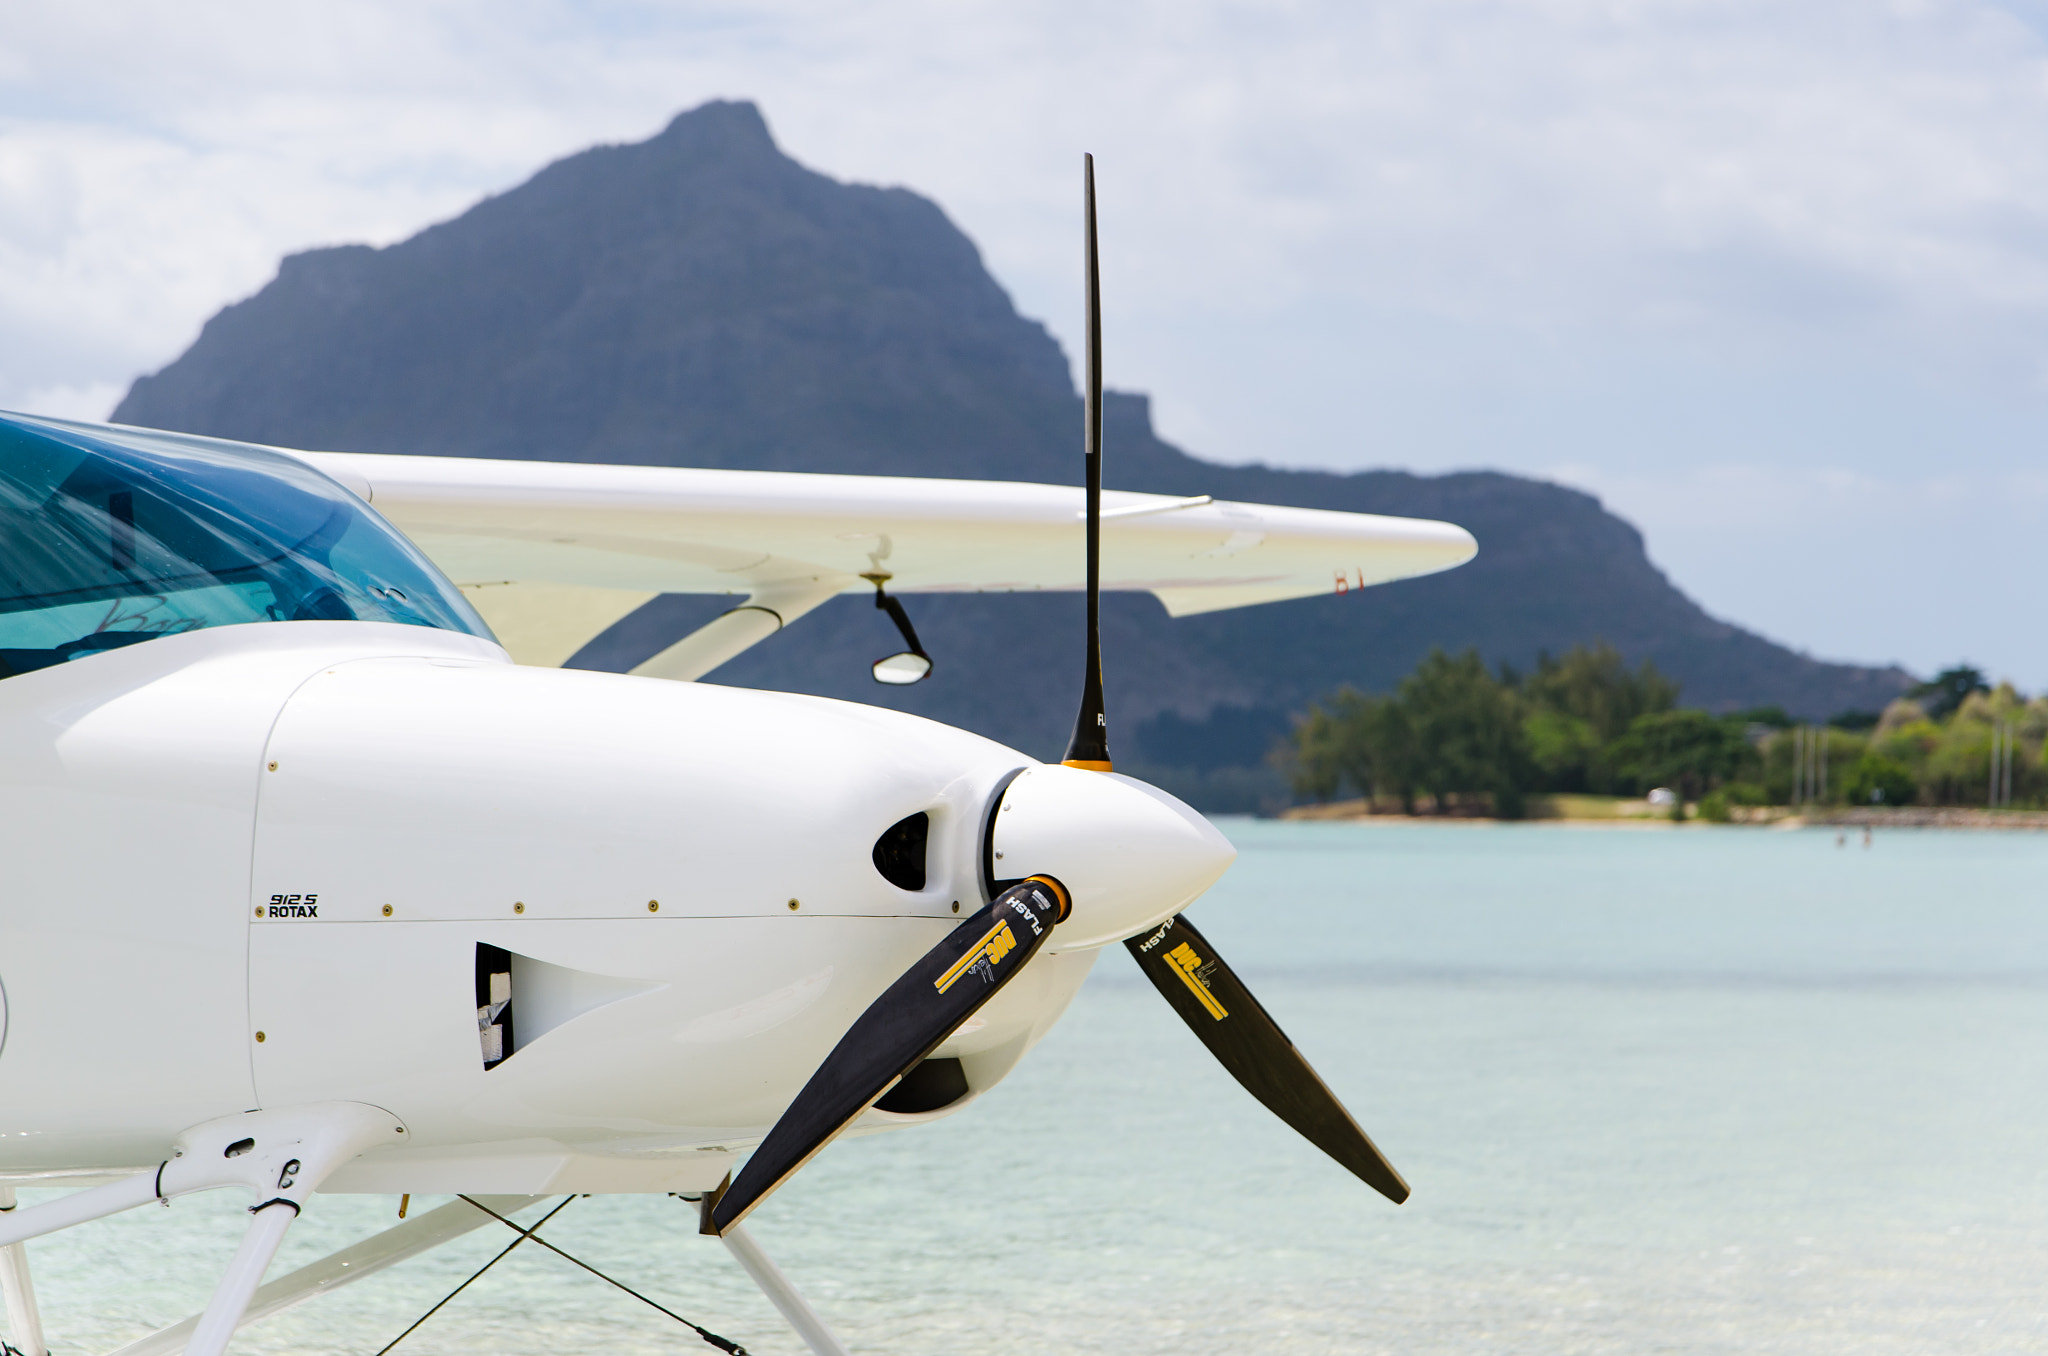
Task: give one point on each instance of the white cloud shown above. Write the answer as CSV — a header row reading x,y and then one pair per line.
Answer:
x,y
91,401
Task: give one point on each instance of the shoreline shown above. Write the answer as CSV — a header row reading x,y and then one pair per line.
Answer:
x,y
1614,813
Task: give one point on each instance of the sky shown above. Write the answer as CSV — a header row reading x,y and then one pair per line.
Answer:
x,y
1771,280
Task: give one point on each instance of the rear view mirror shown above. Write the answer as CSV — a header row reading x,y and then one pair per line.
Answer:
x,y
901,670
909,666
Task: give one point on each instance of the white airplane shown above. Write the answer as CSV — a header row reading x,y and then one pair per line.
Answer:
x,y
317,882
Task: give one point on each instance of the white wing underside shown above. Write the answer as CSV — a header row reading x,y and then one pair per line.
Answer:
x,y
518,535
552,553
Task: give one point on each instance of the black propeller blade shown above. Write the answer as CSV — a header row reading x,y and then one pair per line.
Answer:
x,y
910,1020
1218,1008
1089,747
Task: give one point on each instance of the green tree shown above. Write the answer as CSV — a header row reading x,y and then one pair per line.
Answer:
x,y
1451,728
1878,780
1778,769
1596,686
1946,691
1463,729
1956,770
1688,751
1580,704
1910,740
1326,746
1566,751
1949,758
1356,740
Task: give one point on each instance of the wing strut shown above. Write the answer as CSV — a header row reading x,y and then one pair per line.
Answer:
x,y
728,635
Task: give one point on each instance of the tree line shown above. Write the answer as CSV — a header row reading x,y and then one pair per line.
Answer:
x,y
1455,736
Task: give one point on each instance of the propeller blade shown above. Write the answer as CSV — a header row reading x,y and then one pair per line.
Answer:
x,y
1089,747
910,1020
1250,1044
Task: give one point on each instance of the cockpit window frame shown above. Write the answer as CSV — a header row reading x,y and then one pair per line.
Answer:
x,y
194,533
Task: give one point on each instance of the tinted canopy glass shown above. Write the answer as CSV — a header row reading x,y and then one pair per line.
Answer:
x,y
108,540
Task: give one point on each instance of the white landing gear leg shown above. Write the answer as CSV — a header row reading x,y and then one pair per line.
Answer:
x,y
231,1297
291,1151
795,1309
24,1322
419,1234
279,1155
782,1294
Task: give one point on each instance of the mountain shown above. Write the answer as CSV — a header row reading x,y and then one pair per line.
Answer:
x,y
701,299
698,299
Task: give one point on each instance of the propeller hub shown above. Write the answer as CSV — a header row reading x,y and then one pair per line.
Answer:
x,y
1130,855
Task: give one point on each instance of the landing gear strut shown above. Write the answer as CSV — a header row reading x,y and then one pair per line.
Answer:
x,y
795,1309
24,1322
279,1156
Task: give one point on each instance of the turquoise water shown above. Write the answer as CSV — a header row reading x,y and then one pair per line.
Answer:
x,y
1656,1091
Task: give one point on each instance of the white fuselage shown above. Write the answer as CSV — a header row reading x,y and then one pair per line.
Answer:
x,y
251,866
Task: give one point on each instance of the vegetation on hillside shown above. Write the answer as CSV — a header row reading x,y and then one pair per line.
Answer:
x,y
1456,737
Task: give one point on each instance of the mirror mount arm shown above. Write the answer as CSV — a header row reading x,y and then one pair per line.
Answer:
x,y
902,619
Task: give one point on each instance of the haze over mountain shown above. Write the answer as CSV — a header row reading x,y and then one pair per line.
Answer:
x,y
700,299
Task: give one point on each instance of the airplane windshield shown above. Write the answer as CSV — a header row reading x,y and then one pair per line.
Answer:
x,y
107,542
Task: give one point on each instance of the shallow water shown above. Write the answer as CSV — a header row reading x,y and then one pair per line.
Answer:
x,y
1656,1091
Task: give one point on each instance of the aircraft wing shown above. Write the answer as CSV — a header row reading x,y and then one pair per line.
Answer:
x,y
507,530
552,553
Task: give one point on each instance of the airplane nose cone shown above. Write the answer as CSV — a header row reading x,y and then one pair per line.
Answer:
x,y
1130,855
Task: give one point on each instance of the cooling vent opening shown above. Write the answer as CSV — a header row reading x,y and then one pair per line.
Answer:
x,y
549,996
899,852
931,1085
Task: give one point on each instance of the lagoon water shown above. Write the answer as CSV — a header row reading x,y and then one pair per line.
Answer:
x,y
1690,1091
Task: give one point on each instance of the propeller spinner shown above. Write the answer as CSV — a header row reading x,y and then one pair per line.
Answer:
x,y
1113,859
